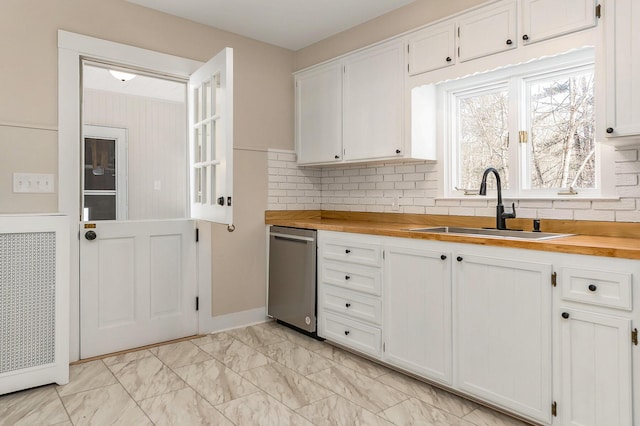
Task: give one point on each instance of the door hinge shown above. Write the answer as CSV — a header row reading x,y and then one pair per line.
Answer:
x,y
523,136
197,303
634,336
554,279
197,235
228,201
344,69
384,347
408,46
554,409
382,254
458,34
407,67
458,51
599,11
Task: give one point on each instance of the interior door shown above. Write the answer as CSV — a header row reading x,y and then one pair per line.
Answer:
x,y
138,281
138,284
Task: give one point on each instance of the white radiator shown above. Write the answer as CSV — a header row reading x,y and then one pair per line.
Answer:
x,y
34,301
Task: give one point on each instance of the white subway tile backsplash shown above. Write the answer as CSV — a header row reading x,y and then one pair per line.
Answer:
x,y
372,188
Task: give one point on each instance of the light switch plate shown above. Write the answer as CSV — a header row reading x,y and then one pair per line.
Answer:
x,y
33,183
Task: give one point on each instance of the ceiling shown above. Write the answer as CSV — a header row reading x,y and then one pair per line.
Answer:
x,y
98,78
292,24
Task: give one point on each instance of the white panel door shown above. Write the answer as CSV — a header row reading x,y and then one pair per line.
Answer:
x,y
502,327
417,313
432,48
567,16
373,103
596,369
319,115
487,31
138,284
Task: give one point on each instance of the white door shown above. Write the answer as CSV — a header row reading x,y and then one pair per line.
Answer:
x,y
418,311
138,282
502,332
596,369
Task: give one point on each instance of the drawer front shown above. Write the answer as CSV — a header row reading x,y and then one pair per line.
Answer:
x,y
352,277
361,337
597,287
351,304
361,253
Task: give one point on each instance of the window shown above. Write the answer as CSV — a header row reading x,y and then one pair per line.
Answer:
x,y
534,123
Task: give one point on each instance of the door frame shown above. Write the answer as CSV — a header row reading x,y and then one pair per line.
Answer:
x,y
72,48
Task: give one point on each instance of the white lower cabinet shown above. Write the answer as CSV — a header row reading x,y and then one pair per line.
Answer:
x,y
502,324
480,320
596,369
418,310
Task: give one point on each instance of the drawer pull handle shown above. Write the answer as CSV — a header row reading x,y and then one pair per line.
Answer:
x,y
347,251
346,332
592,287
565,315
347,277
348,305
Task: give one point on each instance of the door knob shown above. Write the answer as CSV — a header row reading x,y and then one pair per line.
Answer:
x,y
90,235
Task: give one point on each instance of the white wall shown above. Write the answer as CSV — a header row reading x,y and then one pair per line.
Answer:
x,y
371,188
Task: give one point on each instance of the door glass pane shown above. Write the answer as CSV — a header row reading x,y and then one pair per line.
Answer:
x,y
99,164
483,137
206,88
562,148
100,207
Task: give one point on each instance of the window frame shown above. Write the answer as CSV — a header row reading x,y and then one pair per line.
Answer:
x,y
516,77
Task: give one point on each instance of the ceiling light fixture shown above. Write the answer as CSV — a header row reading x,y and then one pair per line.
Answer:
x,y
122,76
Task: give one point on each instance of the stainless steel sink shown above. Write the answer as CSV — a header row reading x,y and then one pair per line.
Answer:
x,y
491,233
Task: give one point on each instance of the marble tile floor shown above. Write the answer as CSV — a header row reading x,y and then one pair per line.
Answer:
x,y
264,374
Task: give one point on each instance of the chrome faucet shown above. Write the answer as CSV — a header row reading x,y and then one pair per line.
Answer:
x,y
501,216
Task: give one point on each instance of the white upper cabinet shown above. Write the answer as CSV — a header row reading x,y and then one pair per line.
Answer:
x,y
622,34
373,103
544,19
319,115
432,48
487,31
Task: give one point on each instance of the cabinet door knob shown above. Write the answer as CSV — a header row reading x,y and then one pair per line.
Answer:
x,y
459,258
509,42
525,37
346,332
448,58
609,129
347,251
347,277
348,305
337,157
565,315
592,287
443,257
398,151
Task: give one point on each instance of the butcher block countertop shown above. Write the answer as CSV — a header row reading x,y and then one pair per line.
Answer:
x,y
609,239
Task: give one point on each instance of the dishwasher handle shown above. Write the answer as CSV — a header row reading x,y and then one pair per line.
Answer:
x,y
291,237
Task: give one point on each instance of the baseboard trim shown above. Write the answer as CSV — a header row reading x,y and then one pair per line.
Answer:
x,y
234,320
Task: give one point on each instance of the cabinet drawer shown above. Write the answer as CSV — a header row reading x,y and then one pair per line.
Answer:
x,y
347,332
352,304
352,277
597,287
362,253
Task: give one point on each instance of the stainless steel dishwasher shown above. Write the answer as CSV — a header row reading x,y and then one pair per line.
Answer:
x,y
292,277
